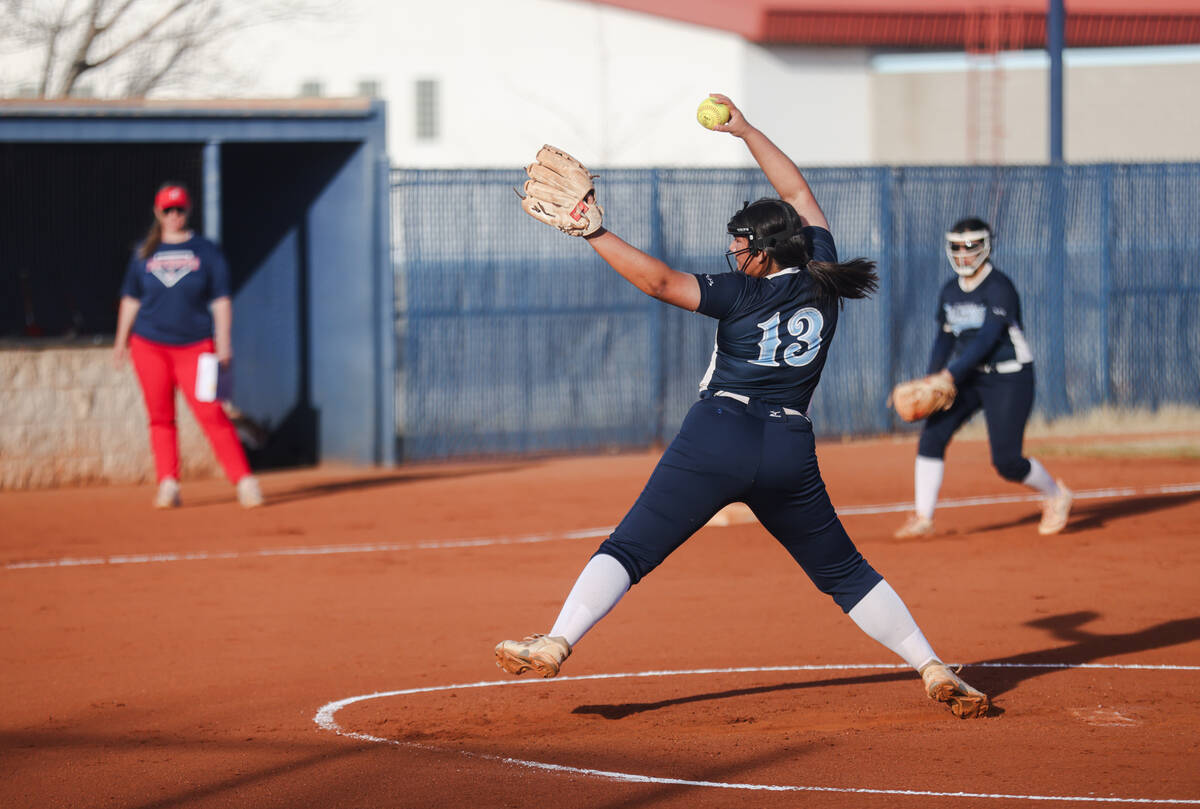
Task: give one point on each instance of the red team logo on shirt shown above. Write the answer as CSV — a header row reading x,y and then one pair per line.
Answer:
x,y
169,266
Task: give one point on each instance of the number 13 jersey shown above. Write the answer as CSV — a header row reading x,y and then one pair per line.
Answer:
x,y
773,333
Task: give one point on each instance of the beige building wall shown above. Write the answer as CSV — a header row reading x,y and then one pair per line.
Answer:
x,y
1115,113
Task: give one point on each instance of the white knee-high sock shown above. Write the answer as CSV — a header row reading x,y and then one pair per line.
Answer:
x,y
883,616
1038,478
597,590
927,475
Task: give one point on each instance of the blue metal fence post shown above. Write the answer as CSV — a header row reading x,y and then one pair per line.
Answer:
x,y
1056,289
657,313
1105,303
890,180
212,190
1055,35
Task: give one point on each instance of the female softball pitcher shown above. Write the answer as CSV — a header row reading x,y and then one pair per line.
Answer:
x,y
981,347
748,438
175,306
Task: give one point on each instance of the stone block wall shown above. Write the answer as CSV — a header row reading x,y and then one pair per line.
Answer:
x,y
68,417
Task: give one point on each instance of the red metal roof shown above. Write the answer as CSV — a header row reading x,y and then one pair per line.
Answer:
x,y
973,24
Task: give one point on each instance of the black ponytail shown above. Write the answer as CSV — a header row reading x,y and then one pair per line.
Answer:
x,y
855,278
772,226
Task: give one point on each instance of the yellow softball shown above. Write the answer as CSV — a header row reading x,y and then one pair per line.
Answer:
x,y
711,113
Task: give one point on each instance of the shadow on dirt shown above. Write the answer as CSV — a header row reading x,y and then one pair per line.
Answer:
x,y
1087,514
994,677
376,481
276,497
1080,646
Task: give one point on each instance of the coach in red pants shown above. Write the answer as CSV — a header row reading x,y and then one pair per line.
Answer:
x,y
175,306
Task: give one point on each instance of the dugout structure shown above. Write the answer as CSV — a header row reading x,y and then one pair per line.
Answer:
x,y
295,192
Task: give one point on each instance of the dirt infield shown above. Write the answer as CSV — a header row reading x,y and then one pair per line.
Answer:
x,y
333,649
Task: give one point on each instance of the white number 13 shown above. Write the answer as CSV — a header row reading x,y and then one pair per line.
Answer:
x,y
805,326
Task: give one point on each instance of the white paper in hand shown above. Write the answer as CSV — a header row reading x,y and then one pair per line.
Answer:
x,y
207,371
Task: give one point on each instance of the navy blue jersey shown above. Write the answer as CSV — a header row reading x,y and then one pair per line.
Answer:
x,y
773,333
175,286
980,327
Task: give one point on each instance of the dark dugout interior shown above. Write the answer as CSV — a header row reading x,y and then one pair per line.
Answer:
x,y
72,215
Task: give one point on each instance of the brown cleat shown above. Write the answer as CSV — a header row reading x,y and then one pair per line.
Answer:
x,y
541,653
943,685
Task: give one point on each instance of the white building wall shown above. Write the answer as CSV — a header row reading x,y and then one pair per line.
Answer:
x,y
815,103
1120,105
620,88
614,87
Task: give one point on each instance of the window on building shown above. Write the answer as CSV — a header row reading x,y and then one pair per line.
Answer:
x,y
311,89
427,109
369,88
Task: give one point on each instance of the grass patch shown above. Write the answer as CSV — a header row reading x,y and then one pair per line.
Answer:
x,y
1167,448
1170,432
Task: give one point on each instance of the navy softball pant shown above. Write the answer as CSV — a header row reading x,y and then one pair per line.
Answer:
x,y
727,451
1007,401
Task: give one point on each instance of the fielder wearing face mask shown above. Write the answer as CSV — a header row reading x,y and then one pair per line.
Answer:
x,y
981,344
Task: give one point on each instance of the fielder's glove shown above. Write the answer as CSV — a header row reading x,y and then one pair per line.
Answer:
x,y
919,398
560,192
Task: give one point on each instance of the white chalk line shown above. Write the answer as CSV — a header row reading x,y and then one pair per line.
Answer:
x,y
587,533
324,719
1091,494
307,550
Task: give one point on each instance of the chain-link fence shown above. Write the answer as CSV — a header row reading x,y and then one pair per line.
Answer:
x,y
515,339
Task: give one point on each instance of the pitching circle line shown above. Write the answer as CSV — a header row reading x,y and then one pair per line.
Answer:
x,y
324,719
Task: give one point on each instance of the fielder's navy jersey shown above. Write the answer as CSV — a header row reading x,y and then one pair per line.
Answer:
x,y
175,286
773,333
980,327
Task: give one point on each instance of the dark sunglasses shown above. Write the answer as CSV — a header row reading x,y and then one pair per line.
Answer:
x,y
176,209
962,247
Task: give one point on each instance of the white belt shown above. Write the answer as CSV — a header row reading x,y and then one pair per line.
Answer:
x,y
1006,367
791,411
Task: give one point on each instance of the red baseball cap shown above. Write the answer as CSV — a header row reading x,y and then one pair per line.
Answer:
x,y
172,196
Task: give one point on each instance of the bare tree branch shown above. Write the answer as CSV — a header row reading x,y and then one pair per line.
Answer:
x,y
139,89
145,34
151,42
78,63
103,27
54,32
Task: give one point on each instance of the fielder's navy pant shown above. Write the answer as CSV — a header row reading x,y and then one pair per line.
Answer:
x,y
727,451
1007,400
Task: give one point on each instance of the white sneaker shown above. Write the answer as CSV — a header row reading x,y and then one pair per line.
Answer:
x,y
915,526
168,494
248,492
1055,511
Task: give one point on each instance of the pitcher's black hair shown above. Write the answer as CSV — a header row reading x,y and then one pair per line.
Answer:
x,y
772,226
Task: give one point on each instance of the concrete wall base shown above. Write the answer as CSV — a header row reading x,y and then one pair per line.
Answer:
x,y
68,417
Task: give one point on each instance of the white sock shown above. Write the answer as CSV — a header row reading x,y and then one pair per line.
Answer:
x,y
883,616
1038,478
596,591
927,475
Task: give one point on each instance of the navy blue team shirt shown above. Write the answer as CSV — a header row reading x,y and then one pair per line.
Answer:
x,y
980,327
773,333
175,285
